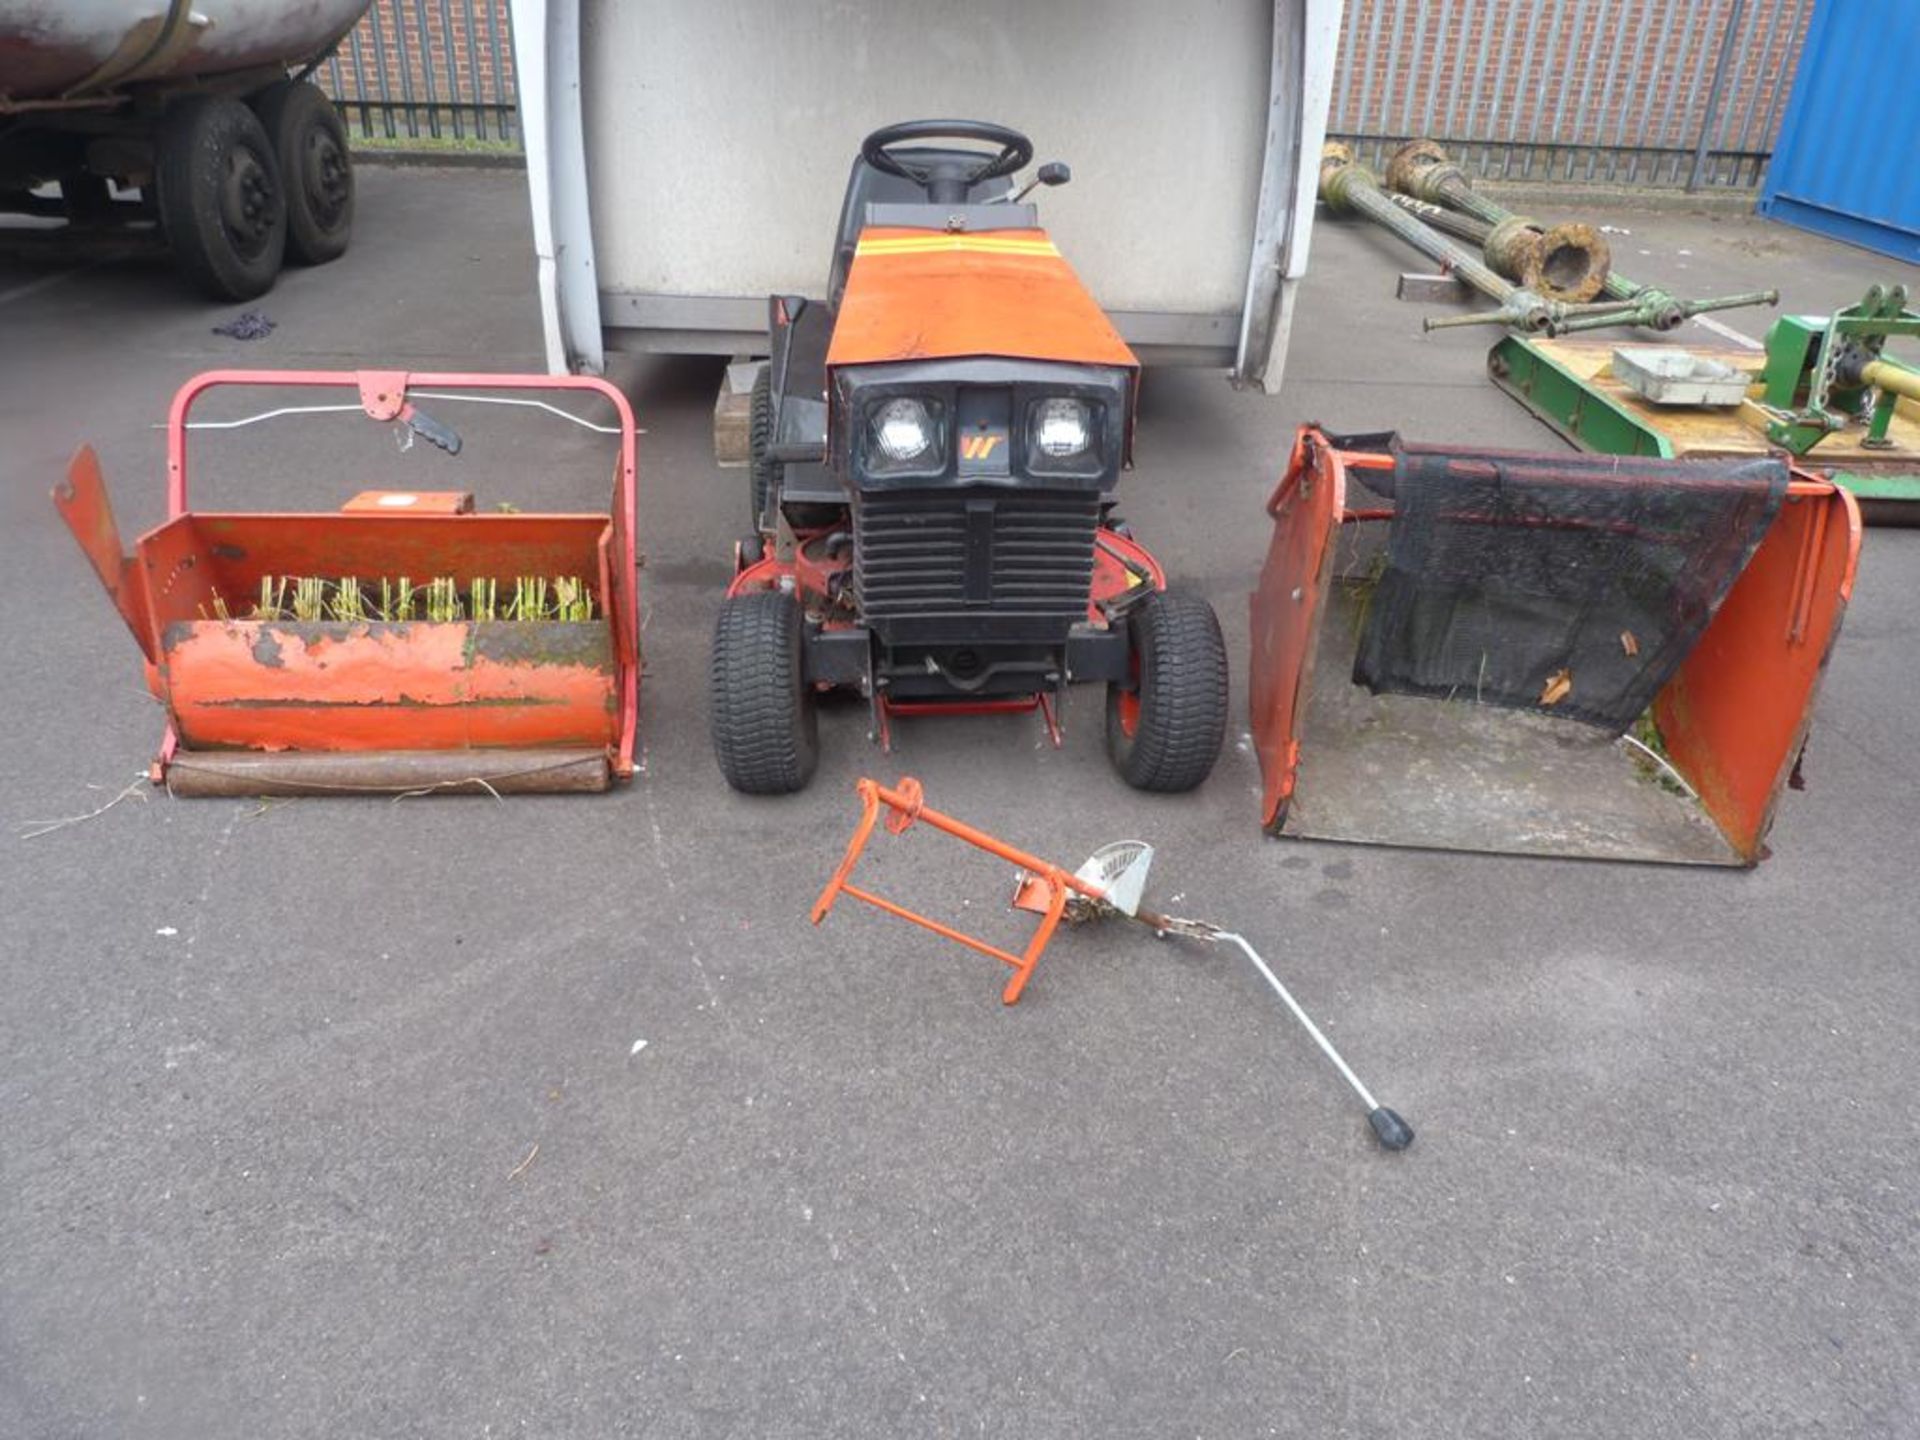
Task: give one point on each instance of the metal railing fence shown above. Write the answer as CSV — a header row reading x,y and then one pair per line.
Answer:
x,y
1632,92
428,71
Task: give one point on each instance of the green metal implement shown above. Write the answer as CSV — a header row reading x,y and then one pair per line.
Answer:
x,y
1826,393
1580,412
1824,375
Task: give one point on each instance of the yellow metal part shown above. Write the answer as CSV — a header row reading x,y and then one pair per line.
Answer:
x,y
1887,375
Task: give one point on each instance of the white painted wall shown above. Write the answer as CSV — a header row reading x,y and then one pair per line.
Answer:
x,y
718,135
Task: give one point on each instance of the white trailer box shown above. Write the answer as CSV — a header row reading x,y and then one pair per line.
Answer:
x,y
687,160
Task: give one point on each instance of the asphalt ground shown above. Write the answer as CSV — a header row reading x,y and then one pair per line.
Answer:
x,y
273,1078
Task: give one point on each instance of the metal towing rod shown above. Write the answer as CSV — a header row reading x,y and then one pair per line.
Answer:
x,y
1569,262
1350,188
1111,882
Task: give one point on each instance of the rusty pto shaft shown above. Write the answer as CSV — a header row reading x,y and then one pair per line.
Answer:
x,y
1568,263
1350,188
1421,175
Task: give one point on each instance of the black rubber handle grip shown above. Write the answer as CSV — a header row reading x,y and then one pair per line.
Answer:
x,y
435,432
1392,1132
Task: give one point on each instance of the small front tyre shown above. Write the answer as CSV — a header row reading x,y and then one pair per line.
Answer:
x,y
766,735
1164,731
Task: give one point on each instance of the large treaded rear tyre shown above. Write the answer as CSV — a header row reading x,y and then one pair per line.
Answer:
x,y
315,168
1165,733
763,474
766,735
222,205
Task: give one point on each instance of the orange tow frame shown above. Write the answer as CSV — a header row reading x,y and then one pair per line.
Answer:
x,y
906,803
269,705
1733,717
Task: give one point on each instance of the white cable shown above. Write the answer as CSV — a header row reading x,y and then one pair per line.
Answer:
x,y
1657,758
584,424
568,415
268,415
1325,1044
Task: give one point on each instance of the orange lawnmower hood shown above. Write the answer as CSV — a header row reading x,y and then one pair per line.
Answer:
x,y
931,295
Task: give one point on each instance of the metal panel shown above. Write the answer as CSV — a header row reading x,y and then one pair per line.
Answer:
x,y
1187,217
1844,166
728,180
548,44
1300,88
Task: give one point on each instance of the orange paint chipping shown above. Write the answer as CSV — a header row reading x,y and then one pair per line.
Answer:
x,y
411,685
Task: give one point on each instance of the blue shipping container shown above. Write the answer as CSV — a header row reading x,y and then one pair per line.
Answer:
x,y
1845,163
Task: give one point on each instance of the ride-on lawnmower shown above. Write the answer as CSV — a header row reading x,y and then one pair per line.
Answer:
x,y
935,449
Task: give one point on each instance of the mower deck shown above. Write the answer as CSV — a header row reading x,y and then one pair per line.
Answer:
x,y
1569,385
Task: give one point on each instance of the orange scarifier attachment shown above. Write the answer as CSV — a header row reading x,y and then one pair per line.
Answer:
x,y
1597,656
368,692
1045,888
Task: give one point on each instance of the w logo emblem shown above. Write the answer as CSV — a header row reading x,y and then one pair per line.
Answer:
x,y
978,447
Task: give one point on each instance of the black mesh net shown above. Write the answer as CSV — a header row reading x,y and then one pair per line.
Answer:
x,y
1569,584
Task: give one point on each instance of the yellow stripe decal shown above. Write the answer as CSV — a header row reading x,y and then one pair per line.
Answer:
x,y
980,244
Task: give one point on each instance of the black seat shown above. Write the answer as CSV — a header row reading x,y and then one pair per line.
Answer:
x,y
867,186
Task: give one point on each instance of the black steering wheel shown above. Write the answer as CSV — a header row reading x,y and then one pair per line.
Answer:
x,y
946,179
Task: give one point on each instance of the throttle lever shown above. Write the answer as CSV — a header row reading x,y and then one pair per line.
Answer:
x,y
434,432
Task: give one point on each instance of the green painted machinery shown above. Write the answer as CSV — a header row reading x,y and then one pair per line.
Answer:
x,y
1823,391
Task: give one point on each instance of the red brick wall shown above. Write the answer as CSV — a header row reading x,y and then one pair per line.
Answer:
x,y
448,44
1396,79
1406,68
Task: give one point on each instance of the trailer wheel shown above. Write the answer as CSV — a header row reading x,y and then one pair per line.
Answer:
x,y
766,735
763,473
222,206
1164,731
311,145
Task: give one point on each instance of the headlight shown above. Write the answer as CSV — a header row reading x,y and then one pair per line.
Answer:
x,y
903,430
1062,428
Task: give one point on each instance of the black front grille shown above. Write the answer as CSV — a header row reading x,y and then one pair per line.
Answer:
x,y
954,551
